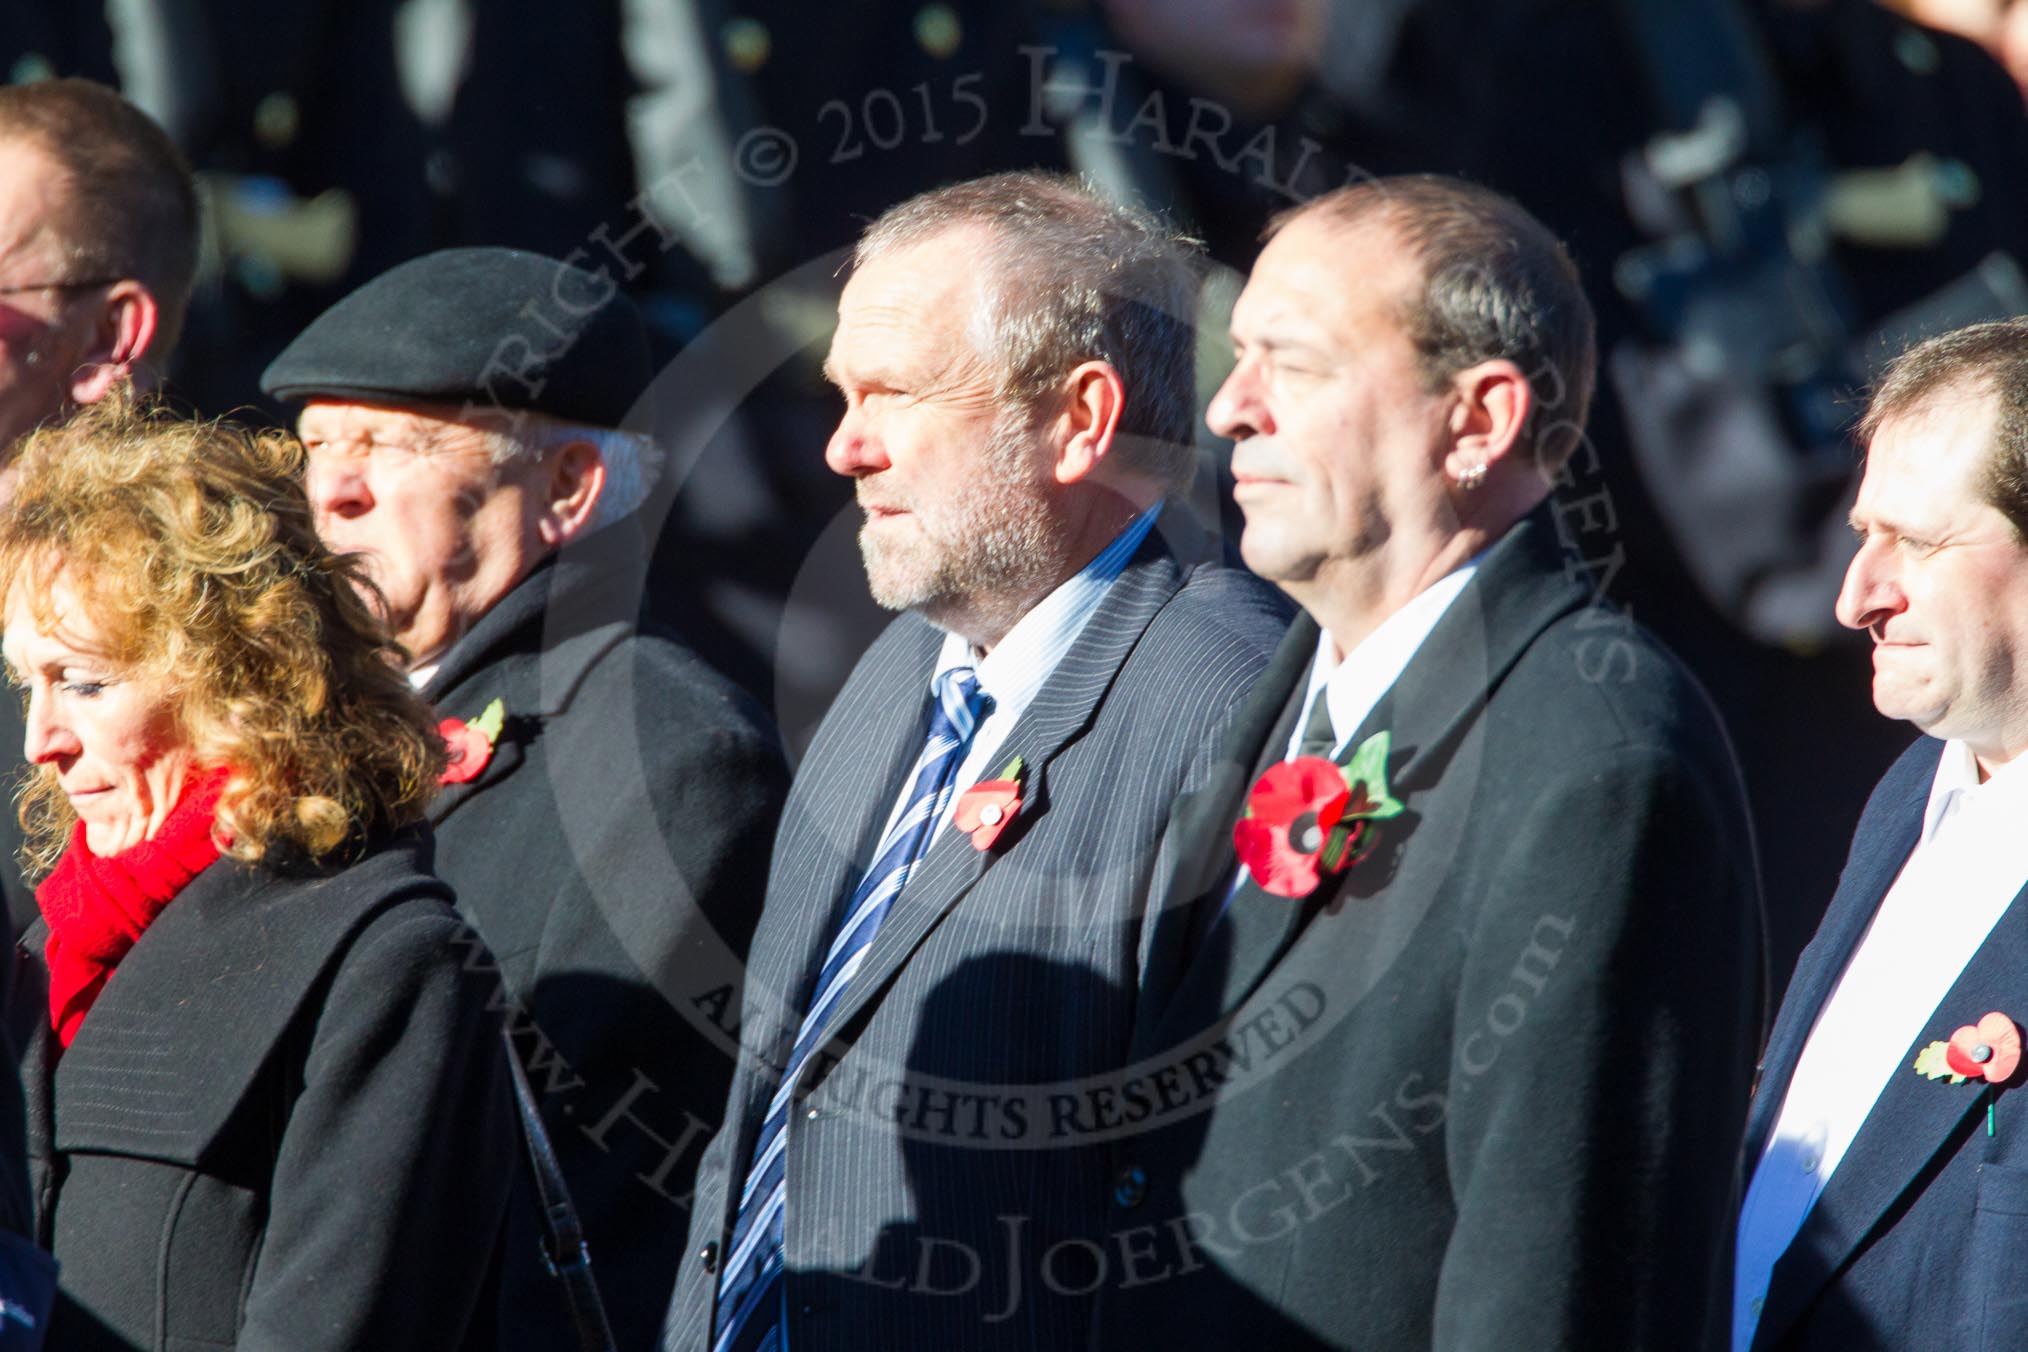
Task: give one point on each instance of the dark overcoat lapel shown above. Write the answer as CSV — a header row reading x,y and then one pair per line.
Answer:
x,y
1519,590
1203,818
236,951
1563,781
276,1057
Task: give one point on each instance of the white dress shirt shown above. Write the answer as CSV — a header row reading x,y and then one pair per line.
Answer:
x,y
1352,686
1965,870
1014,672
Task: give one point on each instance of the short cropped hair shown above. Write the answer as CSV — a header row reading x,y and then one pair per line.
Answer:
x,y
130,209
1496,285
1071,277
1984,359
191,548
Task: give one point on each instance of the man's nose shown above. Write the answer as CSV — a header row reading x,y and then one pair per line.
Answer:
x,y
854,450
336,486
1238,410
1870,592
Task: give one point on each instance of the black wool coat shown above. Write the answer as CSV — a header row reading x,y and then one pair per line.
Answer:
x,y
1484,1089
613,854
284,1124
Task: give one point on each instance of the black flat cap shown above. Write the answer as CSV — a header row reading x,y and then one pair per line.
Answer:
x,y
491,327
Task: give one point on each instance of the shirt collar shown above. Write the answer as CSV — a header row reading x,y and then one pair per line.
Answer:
x,y
1022,661
1957,778
1355,684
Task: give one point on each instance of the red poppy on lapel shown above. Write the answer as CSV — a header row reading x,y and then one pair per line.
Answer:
x,y
986,809
1308,817
1988,1050
471,743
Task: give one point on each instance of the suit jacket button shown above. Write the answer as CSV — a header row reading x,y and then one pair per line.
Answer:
x,y
708,1255
1130,1186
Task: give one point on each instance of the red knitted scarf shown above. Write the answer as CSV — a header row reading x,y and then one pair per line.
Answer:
x,y
97,908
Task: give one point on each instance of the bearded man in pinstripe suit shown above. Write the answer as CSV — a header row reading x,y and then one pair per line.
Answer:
x,y
952,932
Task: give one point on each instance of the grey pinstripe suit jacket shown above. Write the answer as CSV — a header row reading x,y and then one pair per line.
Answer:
x,y
931,1164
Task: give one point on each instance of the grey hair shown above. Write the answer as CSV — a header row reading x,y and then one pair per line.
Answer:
x,y
1070,277
633,460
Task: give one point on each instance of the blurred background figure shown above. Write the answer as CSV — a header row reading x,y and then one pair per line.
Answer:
x,y
286,1123
42,39
2000,26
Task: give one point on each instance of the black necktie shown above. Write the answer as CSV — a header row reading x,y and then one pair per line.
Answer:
x,y
1319,737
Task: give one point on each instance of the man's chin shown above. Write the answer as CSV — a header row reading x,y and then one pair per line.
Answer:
x,y
901,593
897,580
1267,558
423,645
1898,703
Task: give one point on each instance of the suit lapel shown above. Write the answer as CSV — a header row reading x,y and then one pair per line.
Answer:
x,y
1881,845
1195,886
1910,1122
1520,589
1058,714
839,803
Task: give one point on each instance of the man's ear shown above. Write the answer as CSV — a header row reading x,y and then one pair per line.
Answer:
x,y
1494,400
574,475
122,328
1089,416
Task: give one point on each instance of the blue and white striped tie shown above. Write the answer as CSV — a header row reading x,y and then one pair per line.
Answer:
x,y
749,1284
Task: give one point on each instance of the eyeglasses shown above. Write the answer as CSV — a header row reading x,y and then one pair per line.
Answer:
x,y
57,286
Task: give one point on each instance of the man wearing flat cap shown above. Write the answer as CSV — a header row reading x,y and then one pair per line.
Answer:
x,y
607,816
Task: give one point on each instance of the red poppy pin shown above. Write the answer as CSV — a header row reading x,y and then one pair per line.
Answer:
x,y
1308,817
1988,1050
985,809
471,743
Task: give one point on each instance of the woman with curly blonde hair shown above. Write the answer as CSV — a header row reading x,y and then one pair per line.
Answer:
x,y
267,1104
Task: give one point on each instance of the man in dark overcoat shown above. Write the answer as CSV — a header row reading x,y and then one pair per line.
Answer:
x,y
1451,1016
607,817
